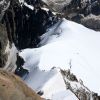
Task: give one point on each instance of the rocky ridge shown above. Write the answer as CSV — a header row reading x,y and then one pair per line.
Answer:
x,y
79,11
78,87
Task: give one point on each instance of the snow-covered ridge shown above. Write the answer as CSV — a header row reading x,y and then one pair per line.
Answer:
x,y
67,45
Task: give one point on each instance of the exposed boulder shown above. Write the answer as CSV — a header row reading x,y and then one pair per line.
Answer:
x,y
20,28
4,5
26,21
13,88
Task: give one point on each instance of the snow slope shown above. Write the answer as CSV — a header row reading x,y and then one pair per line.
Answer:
x,y
66,45
51,83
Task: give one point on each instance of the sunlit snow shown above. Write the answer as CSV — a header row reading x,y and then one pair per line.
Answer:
x,y
68,45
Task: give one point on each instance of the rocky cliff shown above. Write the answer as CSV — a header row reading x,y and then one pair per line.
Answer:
x,y
20,28
3,44
81,11
25,22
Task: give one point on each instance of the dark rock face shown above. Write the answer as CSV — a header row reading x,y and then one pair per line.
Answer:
x,y
24,26
4,4
84,7
78,10
3,44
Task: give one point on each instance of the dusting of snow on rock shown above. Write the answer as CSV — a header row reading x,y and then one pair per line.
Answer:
x,y
29,6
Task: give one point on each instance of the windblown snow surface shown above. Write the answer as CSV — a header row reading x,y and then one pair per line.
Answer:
x,y
67,45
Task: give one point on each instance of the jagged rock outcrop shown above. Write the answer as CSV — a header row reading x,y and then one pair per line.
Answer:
x,y
78,10
7,50
13,88
20,28
3,44
25,25
4,5
78,87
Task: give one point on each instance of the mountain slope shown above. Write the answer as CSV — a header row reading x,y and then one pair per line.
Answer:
x,y
65,47
65,50
80,11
